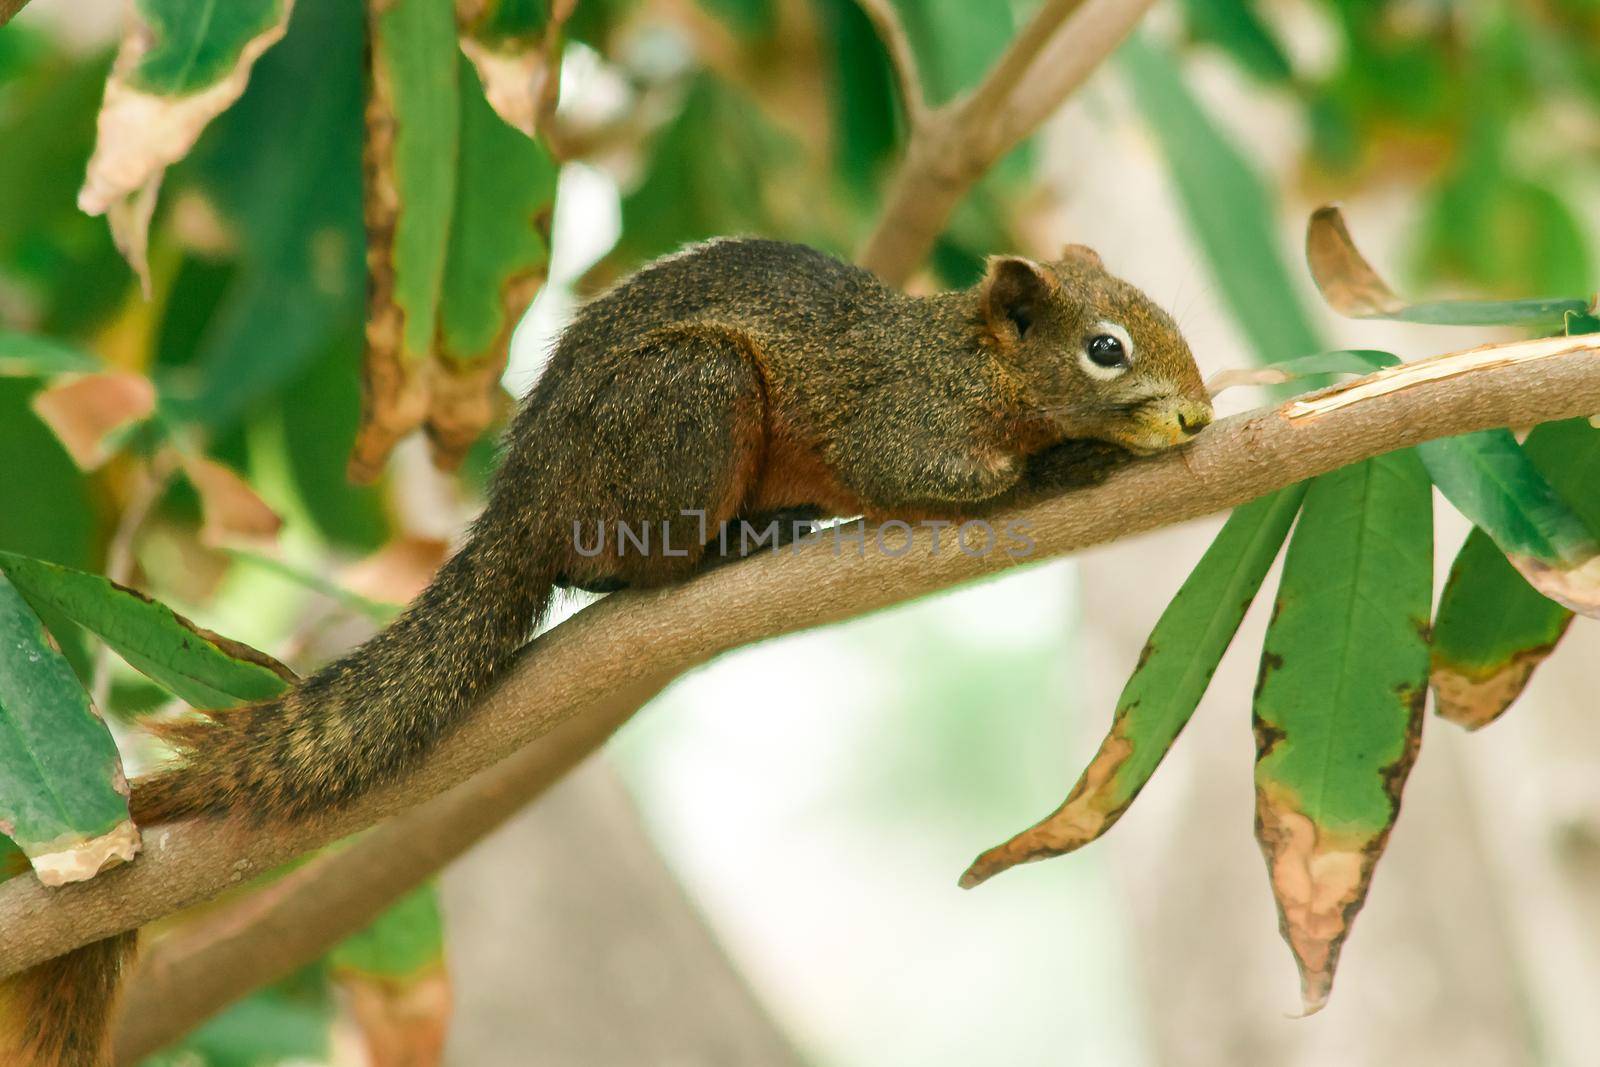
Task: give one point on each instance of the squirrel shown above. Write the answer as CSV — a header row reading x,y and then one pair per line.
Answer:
x,y
739,379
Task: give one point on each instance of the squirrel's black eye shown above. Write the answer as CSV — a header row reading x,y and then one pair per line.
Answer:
x,y
1107,351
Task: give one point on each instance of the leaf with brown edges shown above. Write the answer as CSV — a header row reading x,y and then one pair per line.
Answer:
x,y
178,67
1338,705
1172,674
1352,287
90,414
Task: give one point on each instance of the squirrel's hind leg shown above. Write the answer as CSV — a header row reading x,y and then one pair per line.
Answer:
x,y
675,437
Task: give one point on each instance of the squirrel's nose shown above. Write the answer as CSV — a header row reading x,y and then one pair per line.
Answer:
x,y
1192,418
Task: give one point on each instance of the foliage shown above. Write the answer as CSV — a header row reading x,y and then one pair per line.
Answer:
x,y
338,254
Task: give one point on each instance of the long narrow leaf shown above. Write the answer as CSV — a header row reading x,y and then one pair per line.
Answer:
x,y
205,669
413,127
63,797
25,355
1492,628
1338,707
1352,287
1174,669
499,249
1491,481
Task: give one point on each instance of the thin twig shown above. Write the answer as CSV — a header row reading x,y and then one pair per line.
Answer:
x,y
644,638
992,94
960,141
550,50
891,31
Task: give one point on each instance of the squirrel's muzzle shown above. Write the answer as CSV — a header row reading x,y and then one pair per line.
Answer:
x,y
1167,422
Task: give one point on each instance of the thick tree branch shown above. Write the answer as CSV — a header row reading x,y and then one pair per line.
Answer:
x,y
634,641
8,8
197,970
957,143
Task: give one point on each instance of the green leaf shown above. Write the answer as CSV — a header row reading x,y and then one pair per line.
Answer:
x,y
500,234
1236,27
1577,322
203,668
287,1023
414,70
63,273
510,23
955,42
282,167
63,798
13,861
754,19
181,63
29,356
867,125
1492,628
1491,481
1340,361
1495,225
400,943
49,513
318,414
1488,312
1338,707
710,172
1228,205
1343,361
1174,669
376,610
193,44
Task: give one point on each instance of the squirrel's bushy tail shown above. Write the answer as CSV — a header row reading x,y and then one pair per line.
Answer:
x,y
359,722
365,719
58,1014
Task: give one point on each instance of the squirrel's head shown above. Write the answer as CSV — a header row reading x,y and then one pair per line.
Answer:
x,y
1094,356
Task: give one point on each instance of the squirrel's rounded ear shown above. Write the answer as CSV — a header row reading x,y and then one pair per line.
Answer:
x,y
1083,254
1014,291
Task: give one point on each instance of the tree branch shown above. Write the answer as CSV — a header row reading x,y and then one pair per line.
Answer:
x,y
191,973
9,8
957,143
632,642
197,970
992,94
902,59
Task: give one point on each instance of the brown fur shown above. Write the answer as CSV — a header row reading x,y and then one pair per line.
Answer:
x,y
742,379
58,1014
